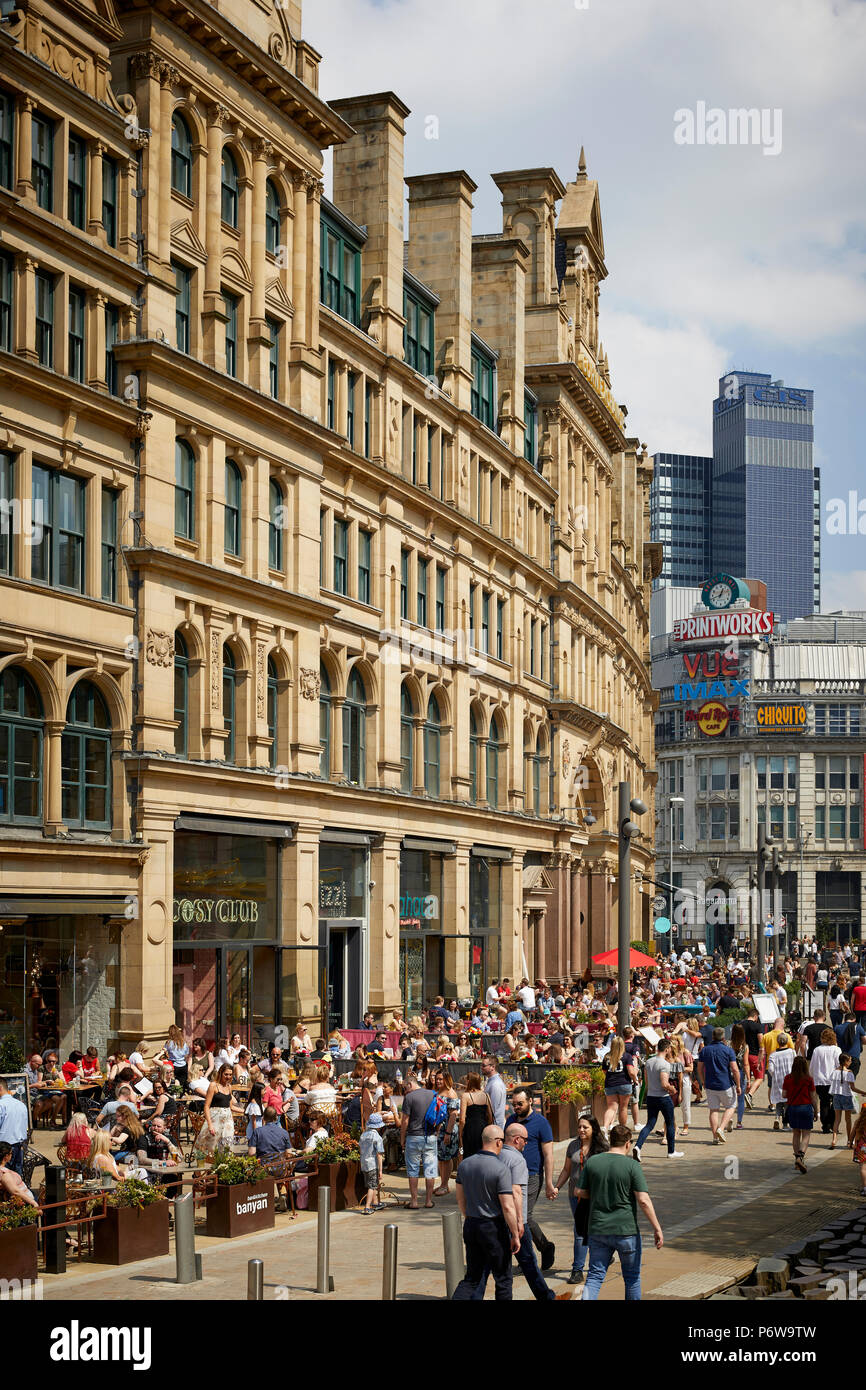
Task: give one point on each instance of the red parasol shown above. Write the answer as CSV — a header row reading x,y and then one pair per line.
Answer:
x,y
636,959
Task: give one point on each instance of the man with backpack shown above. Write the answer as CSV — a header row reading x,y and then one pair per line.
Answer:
x,y
422,1115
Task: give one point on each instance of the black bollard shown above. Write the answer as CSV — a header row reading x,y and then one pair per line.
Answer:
x,y
55,1241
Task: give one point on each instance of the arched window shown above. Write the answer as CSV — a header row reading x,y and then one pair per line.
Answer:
x,y
276,521
20,747
230,690
325,722
181,696
407,742
233,508
229,189
85,759
272,218
432,741
273,709
354,729
184,490
493,750
473,757
181,157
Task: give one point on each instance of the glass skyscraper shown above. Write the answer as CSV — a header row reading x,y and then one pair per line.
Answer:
x,y
763,489
754,508
680,510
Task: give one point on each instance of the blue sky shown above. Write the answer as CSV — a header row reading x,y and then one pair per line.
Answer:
x,y
719,255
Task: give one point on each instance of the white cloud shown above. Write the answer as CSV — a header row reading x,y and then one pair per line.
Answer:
x,y
845,589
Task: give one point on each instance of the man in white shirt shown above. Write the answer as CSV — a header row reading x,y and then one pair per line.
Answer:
x,y
491,998
687,957
526,994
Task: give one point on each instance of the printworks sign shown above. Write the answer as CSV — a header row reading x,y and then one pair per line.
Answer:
x,y
709,627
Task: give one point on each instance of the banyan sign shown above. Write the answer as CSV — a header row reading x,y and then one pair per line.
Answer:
x,y
709,627
780,719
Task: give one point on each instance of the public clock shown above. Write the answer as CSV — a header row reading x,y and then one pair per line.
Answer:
x,y
722,590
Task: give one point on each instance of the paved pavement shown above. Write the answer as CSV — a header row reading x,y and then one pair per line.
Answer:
x,y
721,1208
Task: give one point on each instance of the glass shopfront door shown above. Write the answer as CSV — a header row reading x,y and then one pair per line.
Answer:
x,y
225,989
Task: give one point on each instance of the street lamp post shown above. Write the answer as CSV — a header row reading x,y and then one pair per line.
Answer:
x,y
802,840
674,801
627,829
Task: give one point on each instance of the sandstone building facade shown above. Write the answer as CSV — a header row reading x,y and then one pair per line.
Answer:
x,y
324,570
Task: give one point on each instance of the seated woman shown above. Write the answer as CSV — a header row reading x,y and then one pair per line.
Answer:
x,y
338,1046
125,1133
117,1064
102,1159
386,1107
272,1093
321,1093
90,1064
71,1068
512,1038
162,1106
242,1068
301,1040
305,1080
77,1138
201,1066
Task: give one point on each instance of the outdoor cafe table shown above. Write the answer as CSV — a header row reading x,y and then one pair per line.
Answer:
x,y
69,1093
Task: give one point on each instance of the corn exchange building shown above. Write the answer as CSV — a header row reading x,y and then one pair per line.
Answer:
x,y
324,570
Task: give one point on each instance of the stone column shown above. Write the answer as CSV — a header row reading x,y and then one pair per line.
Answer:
x,y
300,185
146,956
167,75
511,963
213,309
384,927
95,345
299,926
23,163
94,190
575,955
454,919
259,336
53,777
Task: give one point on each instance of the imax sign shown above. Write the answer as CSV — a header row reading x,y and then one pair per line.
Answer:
x,y
712,690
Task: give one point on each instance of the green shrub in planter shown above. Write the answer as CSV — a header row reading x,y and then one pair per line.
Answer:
x,y
135,1192
15,1214
232,1169
340,1148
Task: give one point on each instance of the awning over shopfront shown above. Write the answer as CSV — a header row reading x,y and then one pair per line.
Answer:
x,y
491,852
429,846
220,825
43,906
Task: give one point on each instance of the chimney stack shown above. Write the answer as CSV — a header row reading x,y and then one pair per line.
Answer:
x,y
368,188
440,255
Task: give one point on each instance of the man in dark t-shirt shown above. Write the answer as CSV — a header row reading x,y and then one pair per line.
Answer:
x,y
810,1035
491,1222
270,1138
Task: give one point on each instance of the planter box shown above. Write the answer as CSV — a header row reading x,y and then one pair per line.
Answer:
x,y
561,1119
344,1181
599,1106
241,1210
18,1253
127,1234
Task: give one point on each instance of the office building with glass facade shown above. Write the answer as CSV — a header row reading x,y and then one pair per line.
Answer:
x,y
680,512
763,489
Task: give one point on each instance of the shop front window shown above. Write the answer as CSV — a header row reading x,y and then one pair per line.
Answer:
x,y
225,887
59,984
424,969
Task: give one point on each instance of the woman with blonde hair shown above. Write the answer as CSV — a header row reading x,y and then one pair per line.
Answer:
x,y
102,1159
176,1051
77,1139
682,1059
619,1077
125,1133
779,1065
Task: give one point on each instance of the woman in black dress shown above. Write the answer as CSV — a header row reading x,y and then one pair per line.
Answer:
x,y
475,1114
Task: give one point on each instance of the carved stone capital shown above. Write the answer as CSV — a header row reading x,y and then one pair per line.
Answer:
x,y
262,149
147,64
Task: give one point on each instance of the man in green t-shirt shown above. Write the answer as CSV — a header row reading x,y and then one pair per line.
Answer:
x,y
615,1186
